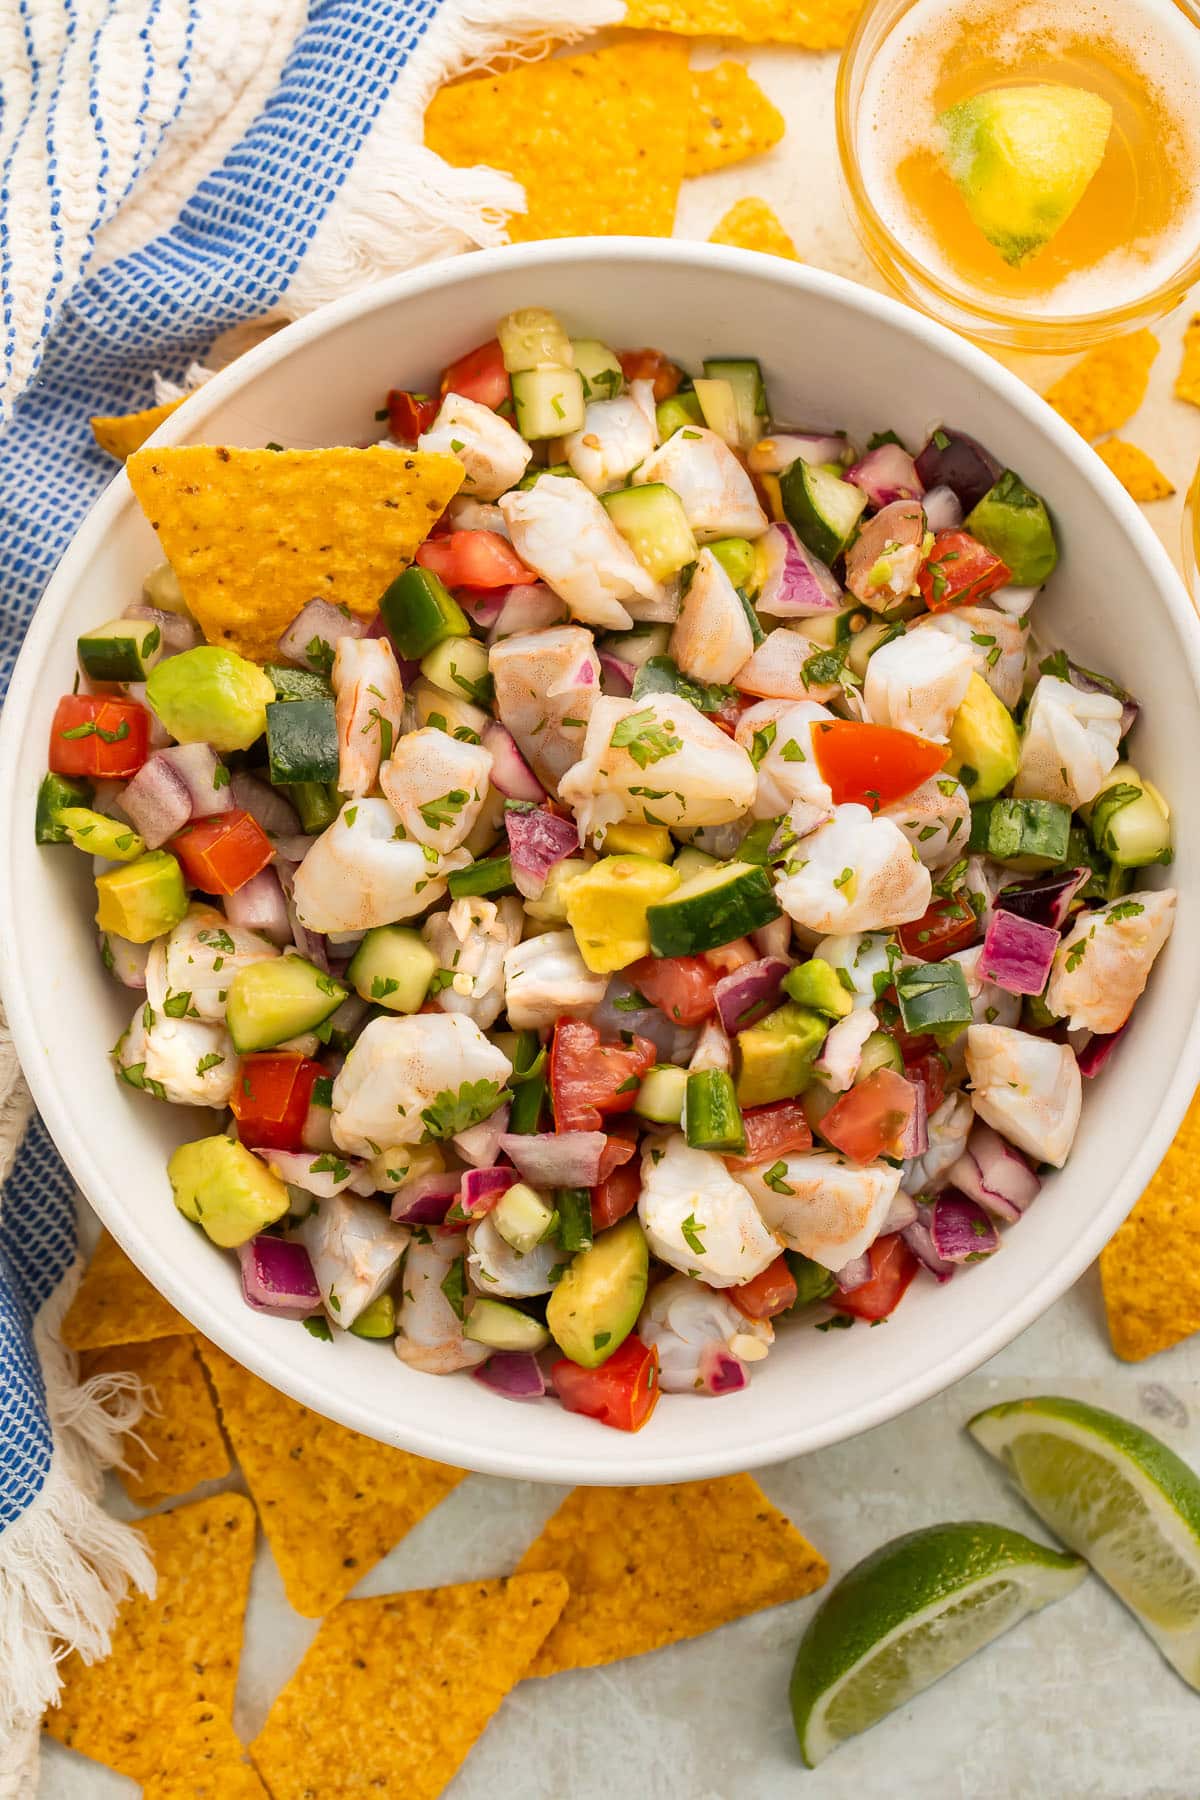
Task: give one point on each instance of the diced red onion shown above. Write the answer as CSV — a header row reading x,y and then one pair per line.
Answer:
x,y
550,1159
616,675
427,1199
482,1188
292,848
611,1018
536,841
993,1173
960,1229
529,608
919,1239
775,939
309,943
516,1374
266,806
797,584
1046,900
886,473
479,1145
943,509
1095,1053
277,1278
780,449
178,632
126,961
915,1141
856,1274
259,905
318,619
1088,682
173,786
1017,953
954,460
900,1214
749,993
511,774
720,1371
483,604
157,737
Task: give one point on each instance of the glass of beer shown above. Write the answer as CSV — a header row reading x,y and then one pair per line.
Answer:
x,y
1027,170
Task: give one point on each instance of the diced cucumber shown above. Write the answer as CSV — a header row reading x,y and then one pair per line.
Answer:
x,y
549,402
1130,823
297,684
55,793
739,559
601,372
459,666
270,1002
99,835
417,613
691,861
653,523
317,802
744,378
532,338
712,1118
933,997
662,1095
504,1327
493,875
378,1320
393,966
639,646
1022,834
122,650
302,741
674,414
713,908
523,1218
864,643
879,1052
574,1218
719,406
822,509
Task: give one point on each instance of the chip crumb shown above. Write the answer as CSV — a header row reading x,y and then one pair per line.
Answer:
x,y
1187,382
304,1472
205,1760
1138,474
811,24
730,119
123,433
750,224
1150,1269
397,1689
177,1442
115,1304
170,1652
1105,387
647,1566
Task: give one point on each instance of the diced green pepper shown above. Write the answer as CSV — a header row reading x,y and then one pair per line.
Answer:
x,y
492,875
933,998
317,802
574,1218
302,741
418,612
55,793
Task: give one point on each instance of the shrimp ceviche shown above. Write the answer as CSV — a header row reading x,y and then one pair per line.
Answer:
x,y
690,906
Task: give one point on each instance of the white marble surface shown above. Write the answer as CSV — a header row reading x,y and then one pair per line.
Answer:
x,y
1075,1704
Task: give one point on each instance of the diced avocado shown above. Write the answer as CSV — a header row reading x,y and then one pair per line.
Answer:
x,y
603,377
813,1282
628,838
99,835
393,967
418,612
1023,157
662,1095
143,899
653,523
523,1217
678,413
224,1188
606,909
270,1002
1026,834
459,666
297,684
1012,521
711,908
302,742
122,650
596,1304
548,402
55,793
985,748
817,983
211,696
378,1320
739,559
504,1327
1129,821
776,1055
823,509
550,907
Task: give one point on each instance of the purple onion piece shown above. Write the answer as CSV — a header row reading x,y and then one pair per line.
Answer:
x,y
536,841
781,448
797,584
885,474
178,633
720,1371
479,1145
516,1374
482,1188
321,621
612,1017
855,1274
278,1278
775,939
915,1141
266,806
550,1159
427,1199
616,675
1046,899
920,1241
961,1230
749,993
511,774
529,608
954,460
1017,953
156,801
483,604
900,1214
992,1172
943,509
1089,682
1097,1050
310,944
259,905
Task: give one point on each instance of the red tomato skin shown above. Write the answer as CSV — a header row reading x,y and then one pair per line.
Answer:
x,y
221,854
616,1196
949,925
271,1098
585,1075
91,754
771,1292
409,414
474,559
651,365
480,375
893,1266
960,571
873,764
622,1392
619,1147
680,986
869,1120
772,1131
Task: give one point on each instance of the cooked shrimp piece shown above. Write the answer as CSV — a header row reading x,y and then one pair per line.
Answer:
x,y
917,683
615,437
699,1218
690,1324
547,683
1104,962
658,745
935,818
949,1128
493,455
559,528
545,978
197,961
717,494
777,735
828,1209
783,668
883,561
369,704
361,873
470,941
496,1268
186,1061
856,873
396,1071
355,1250
1028,1088
1070,743
429,1333
712,636
998,645
437,786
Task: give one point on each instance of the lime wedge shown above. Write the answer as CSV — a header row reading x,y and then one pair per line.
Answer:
x,y
908,1614
1119,1497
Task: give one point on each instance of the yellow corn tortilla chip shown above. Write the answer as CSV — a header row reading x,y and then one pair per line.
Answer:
x,y
1137,472
597,141
1187,382
812,24
647,1566
730,119
751,225
123,433
393,1692
1105,387
254,534
169,1652
115,1304
178,1442
1150,1271
306,1472
204,1761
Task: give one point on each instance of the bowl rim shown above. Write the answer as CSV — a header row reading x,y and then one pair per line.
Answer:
x,y
424,1436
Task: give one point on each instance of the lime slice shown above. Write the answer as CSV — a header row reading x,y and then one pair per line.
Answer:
x,y
1119,1497
908,1614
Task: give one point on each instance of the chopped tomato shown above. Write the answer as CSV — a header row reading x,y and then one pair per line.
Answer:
x,y
893,1266
725,958
651,365
949,925
730,711
928,1071
873,764
480,375
474,559
105,739
770,1293
871,1119
410,414
619,1147
771,1132
960,571
221,854
680,986
617,1195
622,1392
589,1079
271,1098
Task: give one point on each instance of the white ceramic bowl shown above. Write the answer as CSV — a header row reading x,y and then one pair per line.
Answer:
x,y
834,354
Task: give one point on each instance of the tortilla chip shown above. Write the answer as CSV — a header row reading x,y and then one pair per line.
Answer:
x,y
813,24
397,1689
1150,1271
1106,387
123,433
255,534
730,119
170,1652
597,141
1187,382
204,1761
178,1442
648,1566
1137,474
332,1503
751,225
115,1304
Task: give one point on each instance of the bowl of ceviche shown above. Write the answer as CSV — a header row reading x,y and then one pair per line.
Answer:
x,y
540,1003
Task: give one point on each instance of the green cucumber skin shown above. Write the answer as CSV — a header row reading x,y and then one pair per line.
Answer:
x,y
724,916
493,875
302,741
317,802
712,1116
574,1218
55,793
